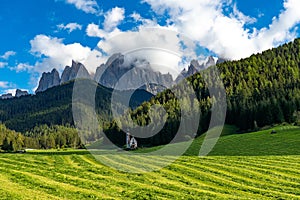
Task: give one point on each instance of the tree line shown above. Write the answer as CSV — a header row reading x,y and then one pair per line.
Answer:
x,y
41,137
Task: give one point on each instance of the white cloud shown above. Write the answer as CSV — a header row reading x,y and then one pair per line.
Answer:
x,y
11,91
145,22
51,52
57,55
8,54
280,29
136,16
158,45
22,67
93,30
113,18
241,17
69,27
147,41
88,6
204,21
3,64
5,84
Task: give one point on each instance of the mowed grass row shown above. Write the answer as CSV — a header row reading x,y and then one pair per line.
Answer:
x,y
79,176
241,166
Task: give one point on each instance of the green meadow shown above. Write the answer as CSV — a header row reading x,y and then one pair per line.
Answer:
x,y
256,165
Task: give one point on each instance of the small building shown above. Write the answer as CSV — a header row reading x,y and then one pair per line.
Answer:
x,y
131,142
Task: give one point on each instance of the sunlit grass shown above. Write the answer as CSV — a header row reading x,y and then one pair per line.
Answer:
x,y
250,166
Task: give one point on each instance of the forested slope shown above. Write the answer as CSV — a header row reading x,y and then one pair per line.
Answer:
x,y
261,90
54,106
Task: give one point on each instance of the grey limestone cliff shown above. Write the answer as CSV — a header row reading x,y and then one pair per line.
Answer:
x,y
77,70
48,80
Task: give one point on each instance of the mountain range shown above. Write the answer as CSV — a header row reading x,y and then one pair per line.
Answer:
x,y
19,93
135,74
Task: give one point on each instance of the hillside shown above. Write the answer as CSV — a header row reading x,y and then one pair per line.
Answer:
x,y
259,143
54,106
261,90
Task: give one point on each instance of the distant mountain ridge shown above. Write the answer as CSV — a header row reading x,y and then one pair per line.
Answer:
x,y
19,93
136,74
195,67
51,79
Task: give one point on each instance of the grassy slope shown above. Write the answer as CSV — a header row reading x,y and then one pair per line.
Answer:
x,y
285,142
76,174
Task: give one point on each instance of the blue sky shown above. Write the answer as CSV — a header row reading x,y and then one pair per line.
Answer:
x,y
37,36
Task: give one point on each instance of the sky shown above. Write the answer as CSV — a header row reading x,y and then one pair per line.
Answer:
x,y
37,36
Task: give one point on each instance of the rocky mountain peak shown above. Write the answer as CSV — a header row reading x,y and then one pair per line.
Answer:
x,y
51,79
221,60
115,60
6,96
20,93
48,80
195,67
77,70
133,72
195,64
210,62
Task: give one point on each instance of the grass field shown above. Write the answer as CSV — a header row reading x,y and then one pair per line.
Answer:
x,y
270,169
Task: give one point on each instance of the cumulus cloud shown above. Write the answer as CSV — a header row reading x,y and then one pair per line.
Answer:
x,y
147,41
136,16
5,84
54,53
242,17
160,45
206,23
88,6
22,67
144,22
281,29
113,18
7,55
3,64
93,30
69,27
